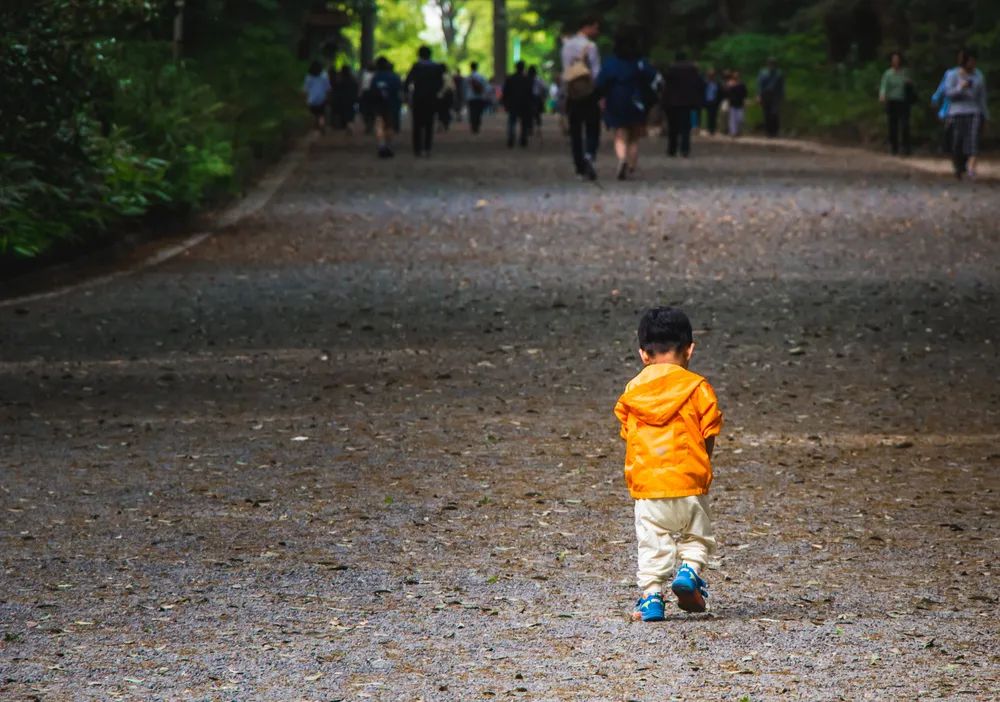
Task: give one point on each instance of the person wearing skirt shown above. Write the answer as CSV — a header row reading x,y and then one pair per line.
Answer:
x,y
967,111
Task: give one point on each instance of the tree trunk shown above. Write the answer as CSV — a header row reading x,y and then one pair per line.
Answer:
x,y
500,39
367,51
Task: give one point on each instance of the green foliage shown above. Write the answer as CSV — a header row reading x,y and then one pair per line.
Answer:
x,y
99,124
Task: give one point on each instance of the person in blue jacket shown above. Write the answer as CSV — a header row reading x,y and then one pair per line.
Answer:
x,y
627,82
385,96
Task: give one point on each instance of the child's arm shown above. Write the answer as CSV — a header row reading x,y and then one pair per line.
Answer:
x,y
621,411
707,405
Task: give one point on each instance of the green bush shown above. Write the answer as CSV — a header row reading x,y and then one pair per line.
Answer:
x,y
99,125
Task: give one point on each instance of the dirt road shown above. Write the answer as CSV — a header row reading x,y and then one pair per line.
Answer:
x,y
360,446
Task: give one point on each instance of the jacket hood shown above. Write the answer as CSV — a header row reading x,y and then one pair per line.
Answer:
x,y
659,391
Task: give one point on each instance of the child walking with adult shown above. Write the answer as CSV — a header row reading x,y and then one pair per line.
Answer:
x,y
317,89
669,419
967,111
626,82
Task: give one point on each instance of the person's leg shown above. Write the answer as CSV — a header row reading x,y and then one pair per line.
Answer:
x,y
972,148
697,537
904,127
673,129
526,119
892,114
593,128
712,118
511,129
632,152
576,127
958,129
428,128
621,145
685,135
657,551
416,123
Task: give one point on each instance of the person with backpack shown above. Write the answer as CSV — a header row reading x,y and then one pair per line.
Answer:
x,y
770,95
518,101
317,90
627,85
423,84
385,100
477,96
581,63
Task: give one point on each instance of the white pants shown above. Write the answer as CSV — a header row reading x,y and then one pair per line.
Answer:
x,y
735,121
655,523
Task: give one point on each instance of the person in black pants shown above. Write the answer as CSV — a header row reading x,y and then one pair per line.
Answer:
x,y
424,83
684,93
583,109
518,100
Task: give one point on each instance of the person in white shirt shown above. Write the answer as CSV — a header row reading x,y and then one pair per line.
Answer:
x,y
583,113
477,96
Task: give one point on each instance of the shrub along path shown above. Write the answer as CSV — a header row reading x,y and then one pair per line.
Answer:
x,y
361,446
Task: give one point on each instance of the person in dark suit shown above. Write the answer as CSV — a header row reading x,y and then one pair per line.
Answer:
x,y
683,93
518,100
423,84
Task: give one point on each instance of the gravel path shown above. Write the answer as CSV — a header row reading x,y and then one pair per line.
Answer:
x,y
361,445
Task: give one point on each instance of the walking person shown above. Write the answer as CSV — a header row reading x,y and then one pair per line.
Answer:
x,y
736,96
896,93
385,100
538,92
458,87
477,96
713,98
423,85
344,98
967,110
684,93
518,100
581,63
940,100
364,99
627,83
770,95
446,100
317,90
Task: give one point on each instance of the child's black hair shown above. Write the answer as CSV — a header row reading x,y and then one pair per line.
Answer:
x,y
663,330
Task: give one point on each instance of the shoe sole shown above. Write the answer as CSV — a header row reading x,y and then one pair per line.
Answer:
x,y
690,600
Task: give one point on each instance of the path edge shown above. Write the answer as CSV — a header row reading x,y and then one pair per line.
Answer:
x,y
259,195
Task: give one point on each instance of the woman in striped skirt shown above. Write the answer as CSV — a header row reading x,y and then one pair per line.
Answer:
x,y
966,91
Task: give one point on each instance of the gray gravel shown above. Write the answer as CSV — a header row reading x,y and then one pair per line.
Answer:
x,y
361,445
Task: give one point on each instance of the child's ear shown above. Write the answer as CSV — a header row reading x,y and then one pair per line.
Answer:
x,y
689,352
644,356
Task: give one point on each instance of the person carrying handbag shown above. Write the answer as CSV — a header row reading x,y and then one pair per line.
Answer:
x,y
581,63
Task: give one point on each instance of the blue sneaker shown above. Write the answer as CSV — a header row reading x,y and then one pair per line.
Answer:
x,y
649,608
690,589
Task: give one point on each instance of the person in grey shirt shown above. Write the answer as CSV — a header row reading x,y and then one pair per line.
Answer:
x,y
584,113
965,89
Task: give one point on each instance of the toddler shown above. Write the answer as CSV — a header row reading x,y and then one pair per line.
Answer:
x,y
669,419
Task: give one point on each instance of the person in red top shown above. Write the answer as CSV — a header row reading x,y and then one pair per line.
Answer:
x,y
669,419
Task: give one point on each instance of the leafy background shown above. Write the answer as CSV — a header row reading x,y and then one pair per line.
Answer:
x,y
101,127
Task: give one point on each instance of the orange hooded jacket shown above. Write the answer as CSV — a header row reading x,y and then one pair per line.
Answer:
x,y
666,413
